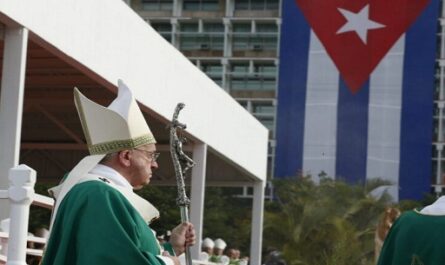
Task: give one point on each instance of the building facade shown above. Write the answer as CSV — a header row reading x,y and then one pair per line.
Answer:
x,y
234,42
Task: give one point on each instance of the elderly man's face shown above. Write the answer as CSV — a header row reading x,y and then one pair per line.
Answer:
x,y
142,165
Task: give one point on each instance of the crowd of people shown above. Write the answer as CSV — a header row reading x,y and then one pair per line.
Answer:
x,y
217,252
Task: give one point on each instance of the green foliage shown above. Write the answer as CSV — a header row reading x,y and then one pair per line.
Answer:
x,y
225,215
228,217
332,223
164,199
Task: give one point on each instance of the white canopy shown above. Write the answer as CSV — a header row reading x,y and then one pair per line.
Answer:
x,y
91,44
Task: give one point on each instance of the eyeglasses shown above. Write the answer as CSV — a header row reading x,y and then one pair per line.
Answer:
x,y
152,156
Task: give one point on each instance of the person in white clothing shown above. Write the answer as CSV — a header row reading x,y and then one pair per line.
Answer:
x,y
207,249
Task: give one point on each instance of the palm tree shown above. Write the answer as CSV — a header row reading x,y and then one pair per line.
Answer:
x,y
330,223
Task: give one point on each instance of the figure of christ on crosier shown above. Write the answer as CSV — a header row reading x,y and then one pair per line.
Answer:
x,y
182,163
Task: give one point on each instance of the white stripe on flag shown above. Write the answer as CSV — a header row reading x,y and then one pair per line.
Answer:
x,y
385,101
320,128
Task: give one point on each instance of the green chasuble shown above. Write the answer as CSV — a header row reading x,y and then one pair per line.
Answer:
x,y
95,225
415,239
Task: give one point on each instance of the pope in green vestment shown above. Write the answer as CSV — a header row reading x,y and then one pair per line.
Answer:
x,y
97,217
415,238
96,224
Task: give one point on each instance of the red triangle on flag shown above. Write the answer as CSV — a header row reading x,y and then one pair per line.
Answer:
x,y
357,34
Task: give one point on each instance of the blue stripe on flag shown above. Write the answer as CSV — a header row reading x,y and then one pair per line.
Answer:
x,y
352,133
295,33
417,106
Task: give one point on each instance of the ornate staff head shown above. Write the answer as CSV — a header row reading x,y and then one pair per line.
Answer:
x,y
182,163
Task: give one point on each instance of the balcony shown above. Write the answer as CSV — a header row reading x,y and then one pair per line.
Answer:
x,y
201,44
261,44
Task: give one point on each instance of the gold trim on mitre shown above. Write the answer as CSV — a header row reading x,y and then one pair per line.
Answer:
x,y
114,146
120,126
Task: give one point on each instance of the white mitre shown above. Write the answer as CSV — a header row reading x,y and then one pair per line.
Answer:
x,y
119,127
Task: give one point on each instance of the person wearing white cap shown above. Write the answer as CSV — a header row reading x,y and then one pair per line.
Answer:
x,y
207,249
97,218
218,251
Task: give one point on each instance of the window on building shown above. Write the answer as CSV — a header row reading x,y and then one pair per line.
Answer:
x,y
438,159
264,111
264,39
437,111
189,27
212,38
257,4
157,5
268,122
241,33
239,69
267,27
252,83
201,41
188,33
213,70
201,5
265,69
437,69
242,27
437,89
434,171
243,103
193,61
263,108
436,132
213,27
261,78
164,29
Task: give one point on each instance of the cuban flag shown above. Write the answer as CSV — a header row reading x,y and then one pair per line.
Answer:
x,y
355,98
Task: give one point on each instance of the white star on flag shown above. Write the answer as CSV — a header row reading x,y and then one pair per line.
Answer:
x,y
358,22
